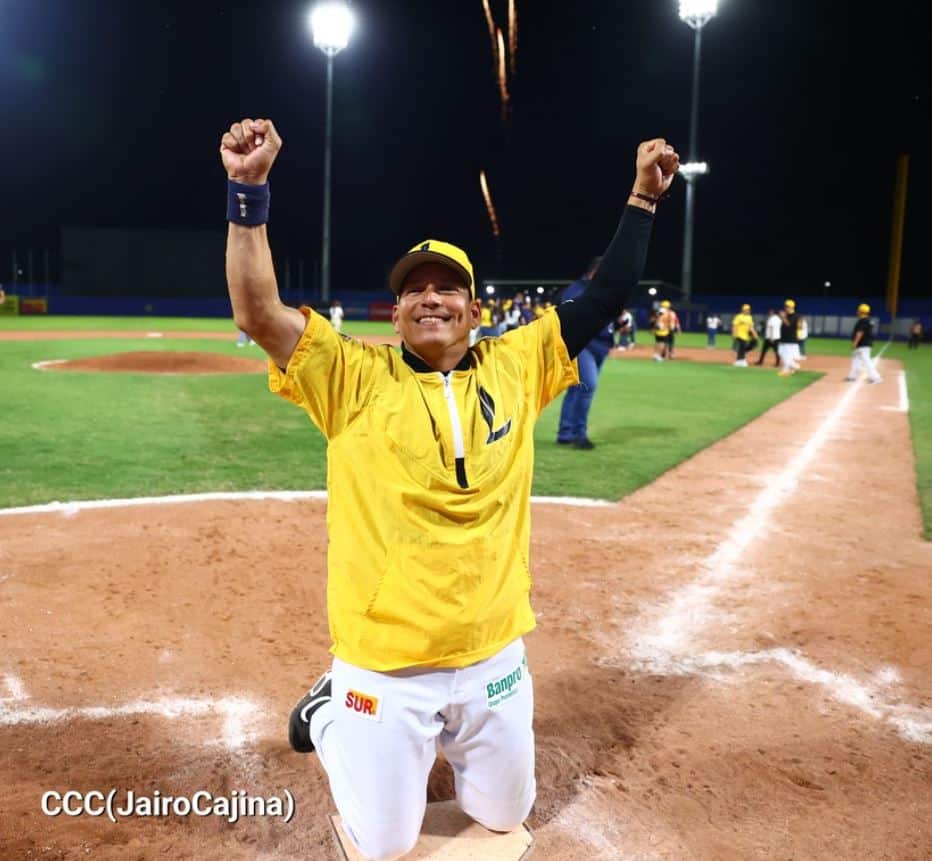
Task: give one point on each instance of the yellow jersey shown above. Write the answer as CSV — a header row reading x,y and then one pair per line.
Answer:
x,y
429,482
741,325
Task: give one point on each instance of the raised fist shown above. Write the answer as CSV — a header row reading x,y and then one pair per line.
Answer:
x,y
248,151
657,164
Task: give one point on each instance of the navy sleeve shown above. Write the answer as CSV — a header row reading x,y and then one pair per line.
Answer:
x,y
622,265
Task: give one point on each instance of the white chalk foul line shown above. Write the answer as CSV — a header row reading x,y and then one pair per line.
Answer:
x,y
238,714
914,724
903,401
48,363
690,608
15,688
665,646
69,509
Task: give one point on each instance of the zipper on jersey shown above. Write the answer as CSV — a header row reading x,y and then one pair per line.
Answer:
x,y
459,449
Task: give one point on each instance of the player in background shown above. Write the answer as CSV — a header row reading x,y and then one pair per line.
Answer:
x,y
675,329
862,339
802,334
663,330
336,315
744,334
712,324
788,349
771,338
573,429
623,331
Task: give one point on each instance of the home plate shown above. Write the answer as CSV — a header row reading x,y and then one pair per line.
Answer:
x,y
448,834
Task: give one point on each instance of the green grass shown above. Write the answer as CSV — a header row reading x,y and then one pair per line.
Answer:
x,y
918,367
87,436
43,323
648,417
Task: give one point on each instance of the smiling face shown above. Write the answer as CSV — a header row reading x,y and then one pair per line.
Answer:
x,y
435,314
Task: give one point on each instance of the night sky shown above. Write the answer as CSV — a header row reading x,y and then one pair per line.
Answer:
x,y
113,113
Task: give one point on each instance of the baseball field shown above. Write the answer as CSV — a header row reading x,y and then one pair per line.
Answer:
x,y
734,647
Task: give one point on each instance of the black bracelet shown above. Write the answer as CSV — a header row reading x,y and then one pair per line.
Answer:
x,y
654,200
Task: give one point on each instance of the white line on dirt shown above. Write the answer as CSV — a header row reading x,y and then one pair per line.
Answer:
x,y
69,509
904,393
665,645
16,689
41,366
903,401
914,724
238,714
690,609
576,501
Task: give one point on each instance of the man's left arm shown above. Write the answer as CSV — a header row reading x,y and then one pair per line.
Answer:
x,y
623,262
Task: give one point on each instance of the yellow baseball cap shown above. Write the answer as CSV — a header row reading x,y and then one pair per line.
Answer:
x,y
432,251
864,309
665,303
790,304
745,308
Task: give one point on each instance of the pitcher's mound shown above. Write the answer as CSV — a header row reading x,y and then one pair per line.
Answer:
x,y
160,362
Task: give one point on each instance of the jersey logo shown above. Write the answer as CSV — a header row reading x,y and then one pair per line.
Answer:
x,y
487,406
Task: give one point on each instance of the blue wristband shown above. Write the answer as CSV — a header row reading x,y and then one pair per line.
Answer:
x,y
247,204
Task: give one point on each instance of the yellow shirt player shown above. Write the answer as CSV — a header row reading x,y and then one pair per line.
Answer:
x,y
663,331
744,334
430,459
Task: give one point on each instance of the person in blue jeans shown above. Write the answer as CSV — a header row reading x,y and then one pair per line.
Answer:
x,y
574,414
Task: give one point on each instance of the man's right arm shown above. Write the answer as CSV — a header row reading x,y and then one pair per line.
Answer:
x,y
248,151
257,308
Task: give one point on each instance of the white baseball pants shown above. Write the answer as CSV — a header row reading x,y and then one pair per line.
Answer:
x,y
861,358
789,356
378,738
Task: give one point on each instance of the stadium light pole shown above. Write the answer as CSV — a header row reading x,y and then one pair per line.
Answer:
x,y
696,13
332,23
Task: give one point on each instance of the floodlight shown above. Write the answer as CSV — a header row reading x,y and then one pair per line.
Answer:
x,y
693,168
332,24
697,13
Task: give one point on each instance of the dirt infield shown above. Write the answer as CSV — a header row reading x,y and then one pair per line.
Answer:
x,y
733,662
160,362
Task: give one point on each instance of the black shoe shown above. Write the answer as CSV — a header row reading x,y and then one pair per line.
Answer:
x,y
565,441
299,724
584,443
